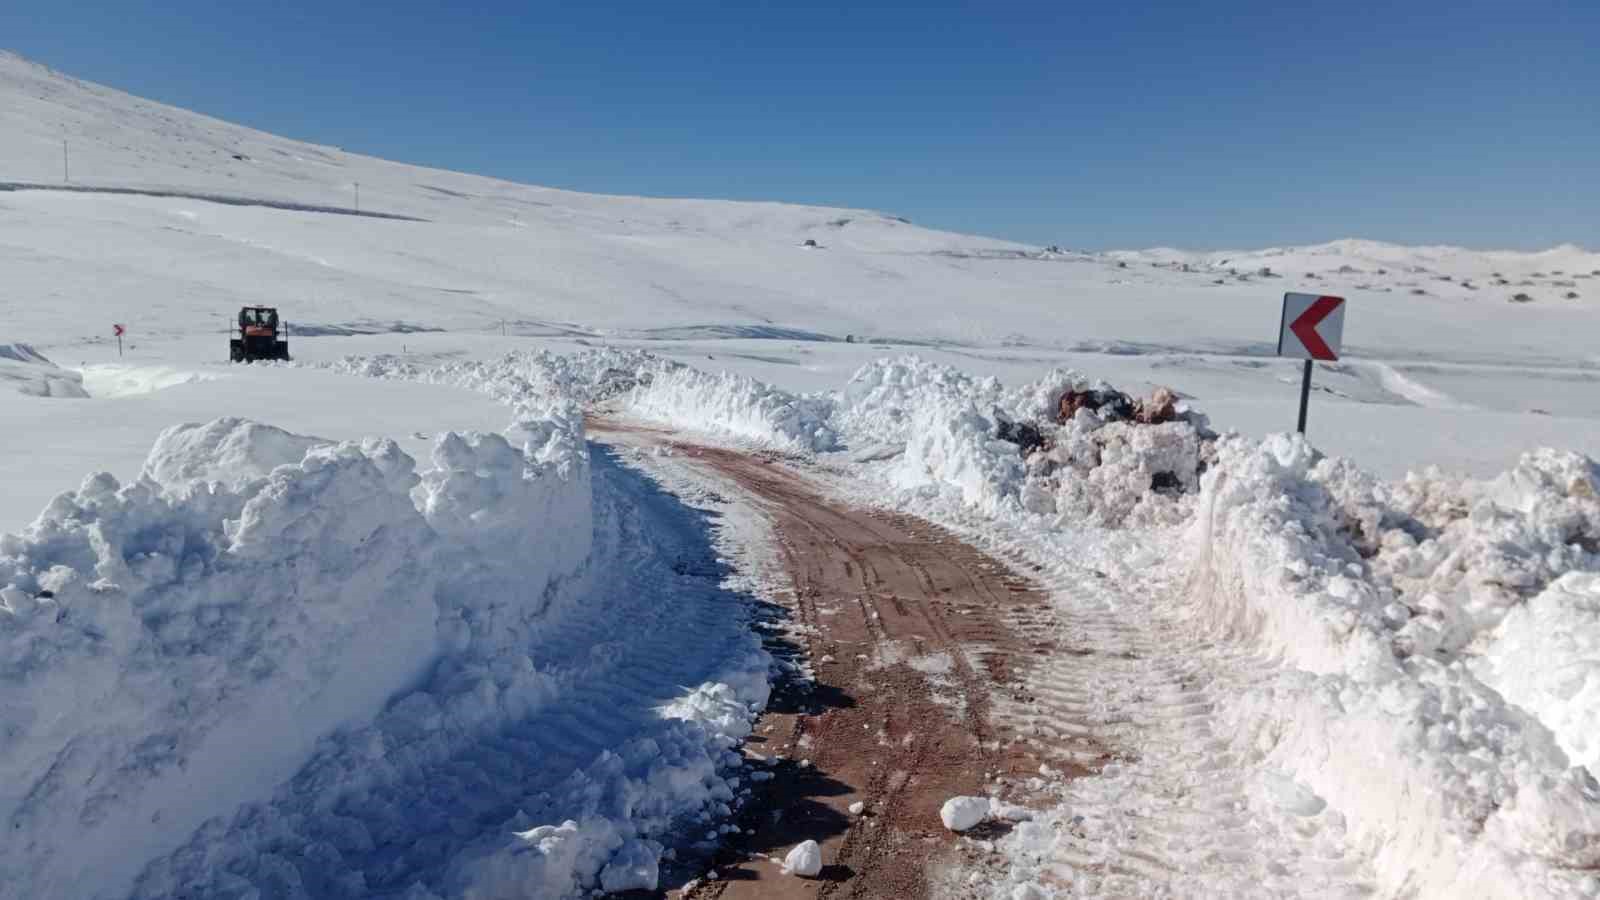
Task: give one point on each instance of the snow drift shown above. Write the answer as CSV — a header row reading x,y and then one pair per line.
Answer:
x,y
27,371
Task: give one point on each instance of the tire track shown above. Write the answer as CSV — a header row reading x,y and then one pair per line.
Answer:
x,y
1173,811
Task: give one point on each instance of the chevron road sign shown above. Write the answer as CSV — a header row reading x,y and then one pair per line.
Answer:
x,y
1311,328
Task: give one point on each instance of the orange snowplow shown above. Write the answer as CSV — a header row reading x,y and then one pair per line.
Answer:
x,y
259,336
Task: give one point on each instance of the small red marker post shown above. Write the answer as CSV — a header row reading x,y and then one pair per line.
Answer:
x,y
1312,328
118,330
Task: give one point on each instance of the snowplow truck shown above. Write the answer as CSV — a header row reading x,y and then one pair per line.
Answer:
x,y
259,336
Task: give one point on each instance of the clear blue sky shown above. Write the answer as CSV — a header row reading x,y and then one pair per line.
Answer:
x,y
1105,124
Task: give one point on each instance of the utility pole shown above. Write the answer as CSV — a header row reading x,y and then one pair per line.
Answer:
x,y
66,171
358,196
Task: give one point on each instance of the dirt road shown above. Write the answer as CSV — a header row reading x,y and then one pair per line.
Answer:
x,y
913,636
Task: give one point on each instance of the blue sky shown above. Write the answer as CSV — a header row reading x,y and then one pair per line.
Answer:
x,y
1088,125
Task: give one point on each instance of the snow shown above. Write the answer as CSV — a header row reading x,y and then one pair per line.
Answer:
x,y
636,867
804,860
1307,557
154,631
228,450
1545,658
735,405
120,380
964,813
1322,566
26,371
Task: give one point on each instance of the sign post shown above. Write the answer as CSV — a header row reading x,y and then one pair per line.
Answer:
x,y
1312,328
118,330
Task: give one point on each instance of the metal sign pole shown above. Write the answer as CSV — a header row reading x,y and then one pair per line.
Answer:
x,y
1305,395
1311,327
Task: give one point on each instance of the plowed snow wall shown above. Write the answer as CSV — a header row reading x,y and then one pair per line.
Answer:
x,y
1457,792
171,649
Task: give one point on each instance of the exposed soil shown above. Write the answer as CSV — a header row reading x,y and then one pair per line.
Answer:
x,y
911,635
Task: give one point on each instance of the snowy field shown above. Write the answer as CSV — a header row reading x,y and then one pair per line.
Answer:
x,y
385,622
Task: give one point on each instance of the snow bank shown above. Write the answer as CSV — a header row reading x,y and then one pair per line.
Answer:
x,y
647,386
949,427
444,653
737,406
1476,550
1454,789
957,448
153,633
175,647
1268,532
27,371
941,419
883,397
938,429
534,379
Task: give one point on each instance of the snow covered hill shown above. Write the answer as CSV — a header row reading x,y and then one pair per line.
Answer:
x,y
207,215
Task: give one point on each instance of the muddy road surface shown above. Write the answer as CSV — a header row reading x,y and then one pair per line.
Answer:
x,y
916,641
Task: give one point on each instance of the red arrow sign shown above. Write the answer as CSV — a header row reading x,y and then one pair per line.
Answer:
x,y
1305,327
117,330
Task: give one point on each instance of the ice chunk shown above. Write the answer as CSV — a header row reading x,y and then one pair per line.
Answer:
x,y
964,813
804,860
